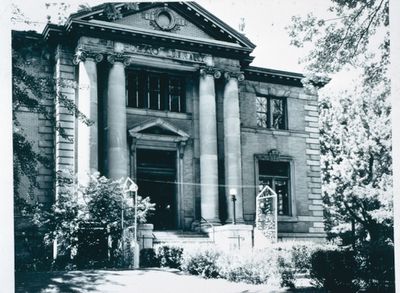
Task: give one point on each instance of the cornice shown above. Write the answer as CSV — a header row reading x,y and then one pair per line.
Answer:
x,y
274,76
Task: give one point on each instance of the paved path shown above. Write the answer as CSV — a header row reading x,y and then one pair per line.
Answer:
x,y
140,281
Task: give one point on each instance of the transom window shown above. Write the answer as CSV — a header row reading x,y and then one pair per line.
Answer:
x,y
157,91
271,112
276,176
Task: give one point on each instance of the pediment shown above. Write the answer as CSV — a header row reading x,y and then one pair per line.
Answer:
x,y
158,129
185,19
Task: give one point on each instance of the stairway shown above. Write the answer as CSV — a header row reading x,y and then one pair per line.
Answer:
x,y
180,237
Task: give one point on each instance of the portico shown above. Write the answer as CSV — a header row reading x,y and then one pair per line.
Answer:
x,y
121,146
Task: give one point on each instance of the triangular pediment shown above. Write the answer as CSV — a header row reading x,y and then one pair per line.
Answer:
x,y
158,128
185,19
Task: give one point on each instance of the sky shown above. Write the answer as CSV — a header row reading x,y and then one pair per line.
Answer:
x,y
265,22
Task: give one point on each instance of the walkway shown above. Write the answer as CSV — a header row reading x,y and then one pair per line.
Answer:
x,y
141,281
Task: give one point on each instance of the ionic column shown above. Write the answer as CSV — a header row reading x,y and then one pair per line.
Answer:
x,y
208,145
87,138
232,145
117,145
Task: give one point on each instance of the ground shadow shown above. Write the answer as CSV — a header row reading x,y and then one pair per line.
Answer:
x,y
73,281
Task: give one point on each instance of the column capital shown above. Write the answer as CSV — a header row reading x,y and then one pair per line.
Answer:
x,y
234,74
209,70
82,55
119,57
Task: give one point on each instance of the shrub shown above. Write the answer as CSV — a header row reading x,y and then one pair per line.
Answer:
x,y
169,256
334,269
286,267
148,258
376,266
255,268
201,261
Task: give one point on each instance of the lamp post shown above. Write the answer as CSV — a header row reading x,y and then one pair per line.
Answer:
x,y
233,193
129,187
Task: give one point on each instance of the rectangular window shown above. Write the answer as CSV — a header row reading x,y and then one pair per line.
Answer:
x,y
155,91
271,112
276,176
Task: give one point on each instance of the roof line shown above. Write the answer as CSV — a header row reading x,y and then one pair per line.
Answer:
x,y
221,23
275,71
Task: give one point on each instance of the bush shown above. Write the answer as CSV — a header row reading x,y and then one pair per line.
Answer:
x,y
376,266
334,269
201,261
169,256
286,267
254,268
148,258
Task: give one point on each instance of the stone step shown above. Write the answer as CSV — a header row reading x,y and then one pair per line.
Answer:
x,y
179,237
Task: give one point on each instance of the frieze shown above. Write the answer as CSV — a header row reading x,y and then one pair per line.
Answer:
x,y
165,52
142,49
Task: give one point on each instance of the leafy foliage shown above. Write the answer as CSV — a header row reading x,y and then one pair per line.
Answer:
x,y
33,93
357,164
355,126
99,203
355,136
169,256
346,38
334,270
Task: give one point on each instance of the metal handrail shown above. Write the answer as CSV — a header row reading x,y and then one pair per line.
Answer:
x,y
212,227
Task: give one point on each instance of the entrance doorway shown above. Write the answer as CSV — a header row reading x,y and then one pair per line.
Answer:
x,y
156,176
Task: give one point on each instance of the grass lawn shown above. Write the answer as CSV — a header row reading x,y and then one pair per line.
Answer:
x,y
141,281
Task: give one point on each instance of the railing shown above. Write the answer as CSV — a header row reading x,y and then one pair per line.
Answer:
x,y
212,227
267,213
143,238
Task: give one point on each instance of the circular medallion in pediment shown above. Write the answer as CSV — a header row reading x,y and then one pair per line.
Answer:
x,y
164,19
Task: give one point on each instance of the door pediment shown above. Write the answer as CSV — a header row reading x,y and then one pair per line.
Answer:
x,y
160,130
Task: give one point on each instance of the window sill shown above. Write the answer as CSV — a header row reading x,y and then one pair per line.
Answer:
x,y
290,219
273,131
282,132
156,113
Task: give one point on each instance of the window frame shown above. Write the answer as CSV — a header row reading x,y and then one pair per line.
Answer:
x,y
268,113
292,215
142,98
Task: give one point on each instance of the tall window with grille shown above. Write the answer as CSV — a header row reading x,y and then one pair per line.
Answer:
x,y
276,175
271,112
156,91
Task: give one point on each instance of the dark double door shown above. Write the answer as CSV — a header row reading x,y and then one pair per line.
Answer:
x,y
156,177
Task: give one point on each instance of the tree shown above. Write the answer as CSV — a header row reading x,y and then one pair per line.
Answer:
x,y
99,203
354,124
355,131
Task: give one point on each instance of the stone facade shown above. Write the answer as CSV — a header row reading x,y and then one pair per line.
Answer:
x,y
212,135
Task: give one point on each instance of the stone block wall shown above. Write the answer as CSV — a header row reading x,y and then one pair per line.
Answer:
x,y
65,83
38,128
299,145
36,59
